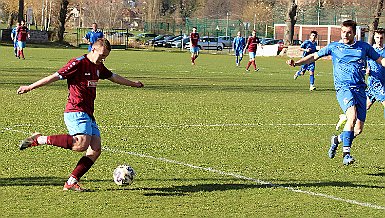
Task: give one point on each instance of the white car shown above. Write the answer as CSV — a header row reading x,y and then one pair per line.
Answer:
x,y
208,43
178,43
227,41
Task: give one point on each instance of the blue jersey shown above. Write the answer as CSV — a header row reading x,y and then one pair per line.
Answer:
x,y
14,33
93,36
349,62
309,44
377,71
239,43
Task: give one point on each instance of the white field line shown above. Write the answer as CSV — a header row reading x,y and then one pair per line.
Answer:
x,y
238,176
198,125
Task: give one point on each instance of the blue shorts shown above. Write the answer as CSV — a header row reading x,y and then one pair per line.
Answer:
x,y
21,44
309,67
194,49
238,53
348,97
15,44
252,55
80,123
375,91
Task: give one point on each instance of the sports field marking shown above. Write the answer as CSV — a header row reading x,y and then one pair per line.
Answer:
x,y
238,176
165,126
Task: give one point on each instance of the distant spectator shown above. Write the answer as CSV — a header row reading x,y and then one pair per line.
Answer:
x,y
93,35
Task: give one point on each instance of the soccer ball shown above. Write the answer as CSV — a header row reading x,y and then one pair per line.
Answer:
x,y
124,175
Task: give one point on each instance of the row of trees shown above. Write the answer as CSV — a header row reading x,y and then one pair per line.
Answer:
x,y
55,14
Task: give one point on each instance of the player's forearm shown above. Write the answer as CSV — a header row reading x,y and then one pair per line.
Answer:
x,y
307,60
46,80
381,61
123,81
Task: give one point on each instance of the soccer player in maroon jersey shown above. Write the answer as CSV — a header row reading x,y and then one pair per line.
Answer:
x,y
22,34
194,49
251,46
82,75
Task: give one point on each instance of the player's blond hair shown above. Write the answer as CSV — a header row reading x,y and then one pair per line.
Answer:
x,y
102,43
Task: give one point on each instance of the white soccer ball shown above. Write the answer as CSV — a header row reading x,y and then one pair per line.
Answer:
x,y
124,175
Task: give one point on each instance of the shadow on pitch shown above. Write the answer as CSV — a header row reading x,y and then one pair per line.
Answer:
x,y
377,174
32,181
37,181
182,190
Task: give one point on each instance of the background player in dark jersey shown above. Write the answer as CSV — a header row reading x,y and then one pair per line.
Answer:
x,y
194,49
82,76
251,46
22,34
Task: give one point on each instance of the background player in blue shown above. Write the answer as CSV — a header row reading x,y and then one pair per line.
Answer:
x,y
308,47
349,63
238,45
376,79
14,38
93,35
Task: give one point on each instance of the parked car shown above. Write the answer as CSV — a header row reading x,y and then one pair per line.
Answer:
x,y
227,41
156,39
264,40
208,43
160,43
145,36
168,44
178,43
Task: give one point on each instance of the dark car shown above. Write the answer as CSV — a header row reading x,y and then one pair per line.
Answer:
x,y
153,40
160,43
168,44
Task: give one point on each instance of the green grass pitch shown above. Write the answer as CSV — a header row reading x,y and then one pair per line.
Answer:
x,y
209,140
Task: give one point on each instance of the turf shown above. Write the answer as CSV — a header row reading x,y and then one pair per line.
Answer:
x,y
209,140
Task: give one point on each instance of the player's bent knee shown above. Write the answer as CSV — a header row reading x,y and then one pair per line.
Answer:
x,y
81,142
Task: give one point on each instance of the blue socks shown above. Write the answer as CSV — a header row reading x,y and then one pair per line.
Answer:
x,y
347,140
312,79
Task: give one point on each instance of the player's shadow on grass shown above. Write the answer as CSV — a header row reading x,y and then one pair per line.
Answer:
x,y
377,174
32,181
182,190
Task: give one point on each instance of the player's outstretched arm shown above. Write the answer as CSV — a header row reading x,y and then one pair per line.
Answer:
x,y
46,80
123,81
381,61
305,60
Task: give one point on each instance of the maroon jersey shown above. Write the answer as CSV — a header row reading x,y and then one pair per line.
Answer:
x,y
22,32
82,77
252,41
194,39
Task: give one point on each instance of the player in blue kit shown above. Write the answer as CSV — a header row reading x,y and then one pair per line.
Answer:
x,y
14,38
376,79
308,47
239,44
349,65
93,35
